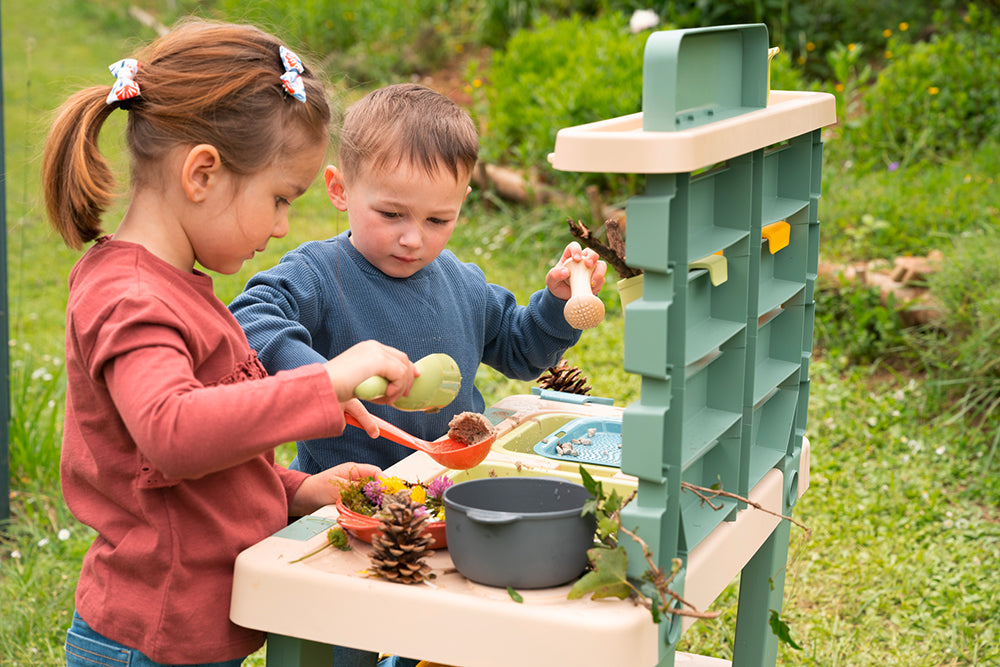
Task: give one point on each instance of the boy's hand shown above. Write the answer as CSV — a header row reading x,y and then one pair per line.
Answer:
x,y
361,361
557,279
323,488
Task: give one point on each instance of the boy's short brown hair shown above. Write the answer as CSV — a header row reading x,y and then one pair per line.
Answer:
x,y
408,124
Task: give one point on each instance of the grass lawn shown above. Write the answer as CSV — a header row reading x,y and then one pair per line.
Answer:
x,y
900,568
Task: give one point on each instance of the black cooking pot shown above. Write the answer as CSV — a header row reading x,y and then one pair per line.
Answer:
x,y
522,532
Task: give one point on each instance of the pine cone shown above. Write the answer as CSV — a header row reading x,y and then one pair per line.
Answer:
x,y
564,378
401,545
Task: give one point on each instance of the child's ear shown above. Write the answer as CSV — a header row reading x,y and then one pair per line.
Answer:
x,y
335,187
199,171
467,191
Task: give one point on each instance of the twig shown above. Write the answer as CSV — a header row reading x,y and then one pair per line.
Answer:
x,y
662,584
699,490
615,259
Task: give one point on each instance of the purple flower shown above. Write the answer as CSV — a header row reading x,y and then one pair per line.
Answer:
x,y
373,491
893,166
437,486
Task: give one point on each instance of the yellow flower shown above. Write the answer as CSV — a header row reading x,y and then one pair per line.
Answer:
x,y
418,494
810,46
888,55
887,33
802,60
839,87
393,484
933,90
477,83
852,46
904,26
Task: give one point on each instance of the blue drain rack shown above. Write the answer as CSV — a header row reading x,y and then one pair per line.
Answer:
x,y
593,440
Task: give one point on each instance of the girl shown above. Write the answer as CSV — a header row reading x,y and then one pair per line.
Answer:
x,y
170,419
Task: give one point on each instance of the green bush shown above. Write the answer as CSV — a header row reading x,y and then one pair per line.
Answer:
x,y
961,351
371,43
559,74
935,98
899,210
853,326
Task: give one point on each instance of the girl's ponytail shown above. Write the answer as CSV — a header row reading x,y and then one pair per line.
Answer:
x,y
78,182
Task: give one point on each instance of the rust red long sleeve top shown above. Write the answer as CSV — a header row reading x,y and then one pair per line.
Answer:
x,y
168,445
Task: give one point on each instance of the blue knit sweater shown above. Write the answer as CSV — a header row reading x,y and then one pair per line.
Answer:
x,y
324,297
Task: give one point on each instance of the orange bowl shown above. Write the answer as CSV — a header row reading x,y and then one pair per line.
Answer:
x,y
364,527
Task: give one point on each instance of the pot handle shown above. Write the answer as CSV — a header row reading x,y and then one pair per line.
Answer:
x,y
487,516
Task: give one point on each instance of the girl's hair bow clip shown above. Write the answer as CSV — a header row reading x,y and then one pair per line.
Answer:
x,y
292,78
125,86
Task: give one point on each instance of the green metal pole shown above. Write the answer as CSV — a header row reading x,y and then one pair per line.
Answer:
x,y
4,351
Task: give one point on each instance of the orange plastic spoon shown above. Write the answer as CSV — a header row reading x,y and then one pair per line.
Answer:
x,y
445,450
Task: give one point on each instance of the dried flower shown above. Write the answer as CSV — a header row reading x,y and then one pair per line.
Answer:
x,y
373,492
437,486
369,496
418,495
393,484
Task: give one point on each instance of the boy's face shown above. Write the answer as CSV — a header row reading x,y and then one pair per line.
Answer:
x,y
400,220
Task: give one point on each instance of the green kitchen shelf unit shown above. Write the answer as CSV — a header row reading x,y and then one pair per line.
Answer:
x,y
731,169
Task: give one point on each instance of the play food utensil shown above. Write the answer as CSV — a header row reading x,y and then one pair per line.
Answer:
x,y
583,310
445,450
437,385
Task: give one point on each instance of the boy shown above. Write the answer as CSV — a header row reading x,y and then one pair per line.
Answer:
x,y
406,159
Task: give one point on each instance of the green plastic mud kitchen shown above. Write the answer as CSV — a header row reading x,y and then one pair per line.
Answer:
x,y
727,237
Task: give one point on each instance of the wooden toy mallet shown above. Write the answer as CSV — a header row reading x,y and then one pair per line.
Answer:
x,y
583,310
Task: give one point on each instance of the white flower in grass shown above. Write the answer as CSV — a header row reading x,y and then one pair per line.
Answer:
x,y
643,19
44,542
940,450
63,534
15,554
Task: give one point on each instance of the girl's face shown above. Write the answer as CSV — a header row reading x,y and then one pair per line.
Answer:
x,y
256,211
400,220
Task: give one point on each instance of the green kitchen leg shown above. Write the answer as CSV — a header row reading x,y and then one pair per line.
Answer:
x,y
283,651
762,585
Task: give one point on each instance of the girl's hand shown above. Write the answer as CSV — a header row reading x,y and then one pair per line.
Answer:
x,y
357,410
557,279
361,361
323,488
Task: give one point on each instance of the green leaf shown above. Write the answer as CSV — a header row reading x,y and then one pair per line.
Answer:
x,y
781,630
588,483
607,526
514,595
607,578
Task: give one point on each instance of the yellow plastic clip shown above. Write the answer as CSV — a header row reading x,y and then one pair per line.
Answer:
x,y
777,235
718,268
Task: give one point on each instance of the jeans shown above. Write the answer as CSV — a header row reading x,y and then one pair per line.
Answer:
x,y
86,648
352,657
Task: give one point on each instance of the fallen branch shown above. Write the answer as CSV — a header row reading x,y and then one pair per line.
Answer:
x,y
614,254
703,491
